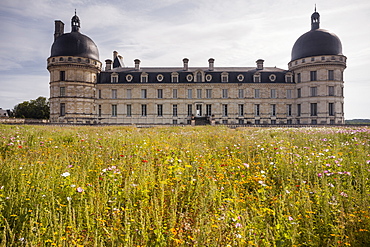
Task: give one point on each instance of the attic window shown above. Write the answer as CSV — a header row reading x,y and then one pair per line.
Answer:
x,y
61,59
224,77
208,77
272,77
257,78
129,78
175,77
159,77
114,78
189,77
69,59
240,77
144,77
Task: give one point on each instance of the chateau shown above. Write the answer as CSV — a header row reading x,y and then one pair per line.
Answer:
x,y
309,92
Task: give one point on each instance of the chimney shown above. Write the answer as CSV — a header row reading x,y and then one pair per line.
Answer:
x,y
137,64
59,29
260,63
211,63
108,64
186,63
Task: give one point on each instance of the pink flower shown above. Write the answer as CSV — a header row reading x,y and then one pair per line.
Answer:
x,y
319,175
79,189
290,218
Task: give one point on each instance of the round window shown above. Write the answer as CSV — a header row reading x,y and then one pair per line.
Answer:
x,y
159,77
189,77
272,77
240,77
208,77
129,78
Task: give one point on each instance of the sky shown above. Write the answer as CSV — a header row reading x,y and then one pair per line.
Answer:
x,y
162,32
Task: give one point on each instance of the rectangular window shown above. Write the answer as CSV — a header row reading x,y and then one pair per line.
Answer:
x,y
331,109
128,110
331,90
208,110
289,110
128,94
199,110
256,78
257,121
256,93
114,79
175,78
331,75
159,110
160,93
62,109
62,91
299,93
257,110
99,93
144,78
143,93
174,121
224,93
190,93
313,109
224,78
288,79
241,93
208,93
289,93
313,75
143,110
273,121
114,110
199,93
273,93
273,110
241,110
62,75
313,91
99,111
174,110
114,93
224,110
299,110
190,110
174,93
299,78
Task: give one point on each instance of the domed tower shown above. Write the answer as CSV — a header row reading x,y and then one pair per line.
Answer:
x,y
318,65
74,66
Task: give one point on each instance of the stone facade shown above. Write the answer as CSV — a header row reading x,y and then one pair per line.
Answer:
x,y
309,92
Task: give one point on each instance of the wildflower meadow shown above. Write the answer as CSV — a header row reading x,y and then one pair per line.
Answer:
x,y
184,186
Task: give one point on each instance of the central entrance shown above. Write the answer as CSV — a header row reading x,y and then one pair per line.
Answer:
x,y
198,108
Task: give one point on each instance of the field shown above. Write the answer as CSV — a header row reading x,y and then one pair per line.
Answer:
x,y
188,186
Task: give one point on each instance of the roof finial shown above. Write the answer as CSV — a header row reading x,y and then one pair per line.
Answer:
x,y
76,11
315,7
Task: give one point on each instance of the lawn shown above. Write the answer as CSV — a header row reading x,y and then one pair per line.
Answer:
x,y
184,186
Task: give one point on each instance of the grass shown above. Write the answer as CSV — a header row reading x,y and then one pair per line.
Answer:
x,y
189,186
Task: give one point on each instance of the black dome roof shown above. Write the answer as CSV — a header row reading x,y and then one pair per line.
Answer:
x,y
316,42
75,43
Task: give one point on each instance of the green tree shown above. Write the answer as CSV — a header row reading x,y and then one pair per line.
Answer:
x,y
37,109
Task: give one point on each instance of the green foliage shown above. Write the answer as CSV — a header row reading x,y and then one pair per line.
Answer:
x,y
358,121
36,109
192,186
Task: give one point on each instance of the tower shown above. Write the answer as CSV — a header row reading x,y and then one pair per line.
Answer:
x,y
318,65
73,66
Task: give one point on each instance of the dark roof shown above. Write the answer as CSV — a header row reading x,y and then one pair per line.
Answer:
x,y
74,44
316,42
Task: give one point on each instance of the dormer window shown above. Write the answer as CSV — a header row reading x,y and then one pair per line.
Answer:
x,y
224,77
272,77
199,76
144,77
208,77
257,78
175,77
288,78
114,78
240,77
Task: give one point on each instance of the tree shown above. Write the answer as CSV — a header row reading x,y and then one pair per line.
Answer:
x,y
37,109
